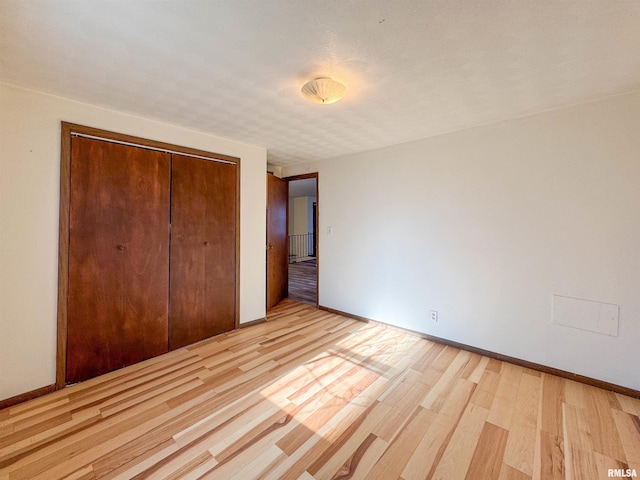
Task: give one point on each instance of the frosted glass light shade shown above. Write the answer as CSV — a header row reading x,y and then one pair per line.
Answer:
x,y
323,90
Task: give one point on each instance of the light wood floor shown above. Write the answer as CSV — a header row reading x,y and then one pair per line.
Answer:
x,y
303,282
315,395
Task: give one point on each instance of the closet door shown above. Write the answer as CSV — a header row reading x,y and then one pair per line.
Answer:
x,y
118,257
202,292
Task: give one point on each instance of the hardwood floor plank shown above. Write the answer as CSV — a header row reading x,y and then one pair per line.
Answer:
x,y
350,465
14,416
507,472
494,365
627,404
457,456
504,402
483,395
402,396
439,366
476,375
550,419
425,360
85,473
549,462
487,458
574,394
628,427
303,282
219,429
260,464
576,428
13,453
602,426
580,463
343,456
433,444
179,467
331,406
372,453
401,448
134,462
87,446
520,450
330,434
471,365
604,464
442,387
17,434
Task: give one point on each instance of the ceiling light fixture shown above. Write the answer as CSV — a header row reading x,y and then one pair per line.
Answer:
x,y
323,90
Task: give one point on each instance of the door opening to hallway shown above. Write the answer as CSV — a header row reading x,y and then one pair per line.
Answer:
x,y
303,238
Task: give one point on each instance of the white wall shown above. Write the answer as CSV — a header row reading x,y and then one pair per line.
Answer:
x,y
291,216
29,199
484,225
310,202
299,216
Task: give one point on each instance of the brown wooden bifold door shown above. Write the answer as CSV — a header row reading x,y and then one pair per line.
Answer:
x,y
203,250
118,257
277,248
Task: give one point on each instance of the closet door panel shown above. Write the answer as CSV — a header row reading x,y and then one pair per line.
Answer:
x,y
146,268
220,247
95,263
203,250
118,257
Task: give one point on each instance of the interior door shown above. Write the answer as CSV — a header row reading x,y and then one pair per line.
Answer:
x,y
202,288
118,257
277,248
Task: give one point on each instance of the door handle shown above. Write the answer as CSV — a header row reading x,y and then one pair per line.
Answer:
x,y
269,247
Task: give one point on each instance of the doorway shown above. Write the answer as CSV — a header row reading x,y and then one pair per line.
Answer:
x,y
302,221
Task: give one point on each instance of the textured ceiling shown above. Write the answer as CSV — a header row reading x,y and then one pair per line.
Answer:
x,y
234,68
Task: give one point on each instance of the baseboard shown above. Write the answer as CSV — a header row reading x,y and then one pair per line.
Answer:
x,y
355,317
498,356
257,321
23,397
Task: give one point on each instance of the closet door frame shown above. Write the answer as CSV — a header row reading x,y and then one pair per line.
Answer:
x,y
67,131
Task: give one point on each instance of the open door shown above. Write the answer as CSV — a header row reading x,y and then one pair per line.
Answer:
x,y
277,249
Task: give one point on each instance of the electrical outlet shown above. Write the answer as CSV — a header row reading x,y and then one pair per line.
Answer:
x,y
434,316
